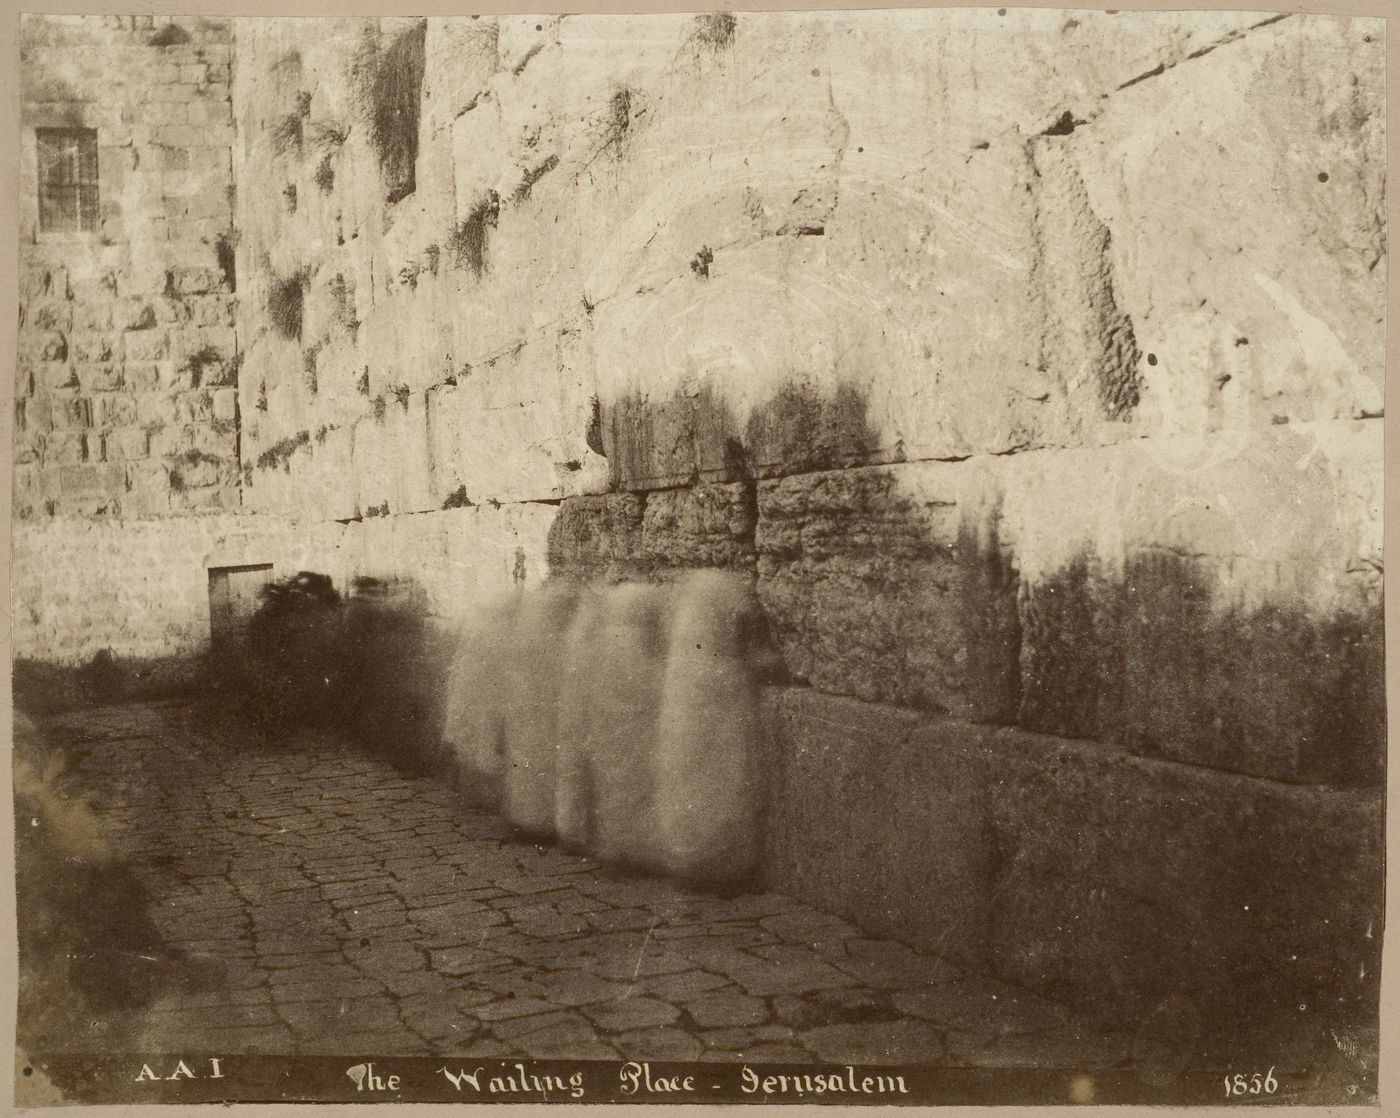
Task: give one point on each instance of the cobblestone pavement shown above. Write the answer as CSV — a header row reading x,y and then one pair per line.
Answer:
x,y
330,904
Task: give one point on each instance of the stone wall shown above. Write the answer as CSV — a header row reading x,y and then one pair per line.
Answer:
x,y
639,269
125,405
126,415
1031,362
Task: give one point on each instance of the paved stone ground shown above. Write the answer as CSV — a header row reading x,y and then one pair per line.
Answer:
x,y
328,904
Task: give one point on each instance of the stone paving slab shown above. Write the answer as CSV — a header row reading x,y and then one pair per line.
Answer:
x,y
329,904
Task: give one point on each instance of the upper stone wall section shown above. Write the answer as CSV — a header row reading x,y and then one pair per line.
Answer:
x,y
125,403
642,251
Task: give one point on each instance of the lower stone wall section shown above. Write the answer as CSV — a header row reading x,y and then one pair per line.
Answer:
x,y
121,608
1074,869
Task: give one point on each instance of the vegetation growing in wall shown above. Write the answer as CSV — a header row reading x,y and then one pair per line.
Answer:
x,y
527,184
285,302
716,29
223,253
327,134
285,133
324,176
467,243
388,83
171,35
458,499
279,453
197,362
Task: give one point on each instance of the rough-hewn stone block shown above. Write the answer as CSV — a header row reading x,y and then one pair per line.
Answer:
x,y
706,526
889,584
865,825
593,535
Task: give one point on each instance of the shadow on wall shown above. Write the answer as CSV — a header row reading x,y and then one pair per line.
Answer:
x,y
105,678
883,597
621,720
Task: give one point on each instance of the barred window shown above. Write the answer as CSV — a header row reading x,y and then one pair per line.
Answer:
x,y
67,179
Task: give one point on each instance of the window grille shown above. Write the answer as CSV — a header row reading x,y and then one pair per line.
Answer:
x,y
67,179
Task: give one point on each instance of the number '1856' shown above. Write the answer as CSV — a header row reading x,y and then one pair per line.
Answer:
x,y
1256,1084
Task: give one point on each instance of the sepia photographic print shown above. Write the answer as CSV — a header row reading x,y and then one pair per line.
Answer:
x,y
795,557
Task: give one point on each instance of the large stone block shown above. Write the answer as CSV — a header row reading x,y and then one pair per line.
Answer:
x,y
597,536
1077,869
1244,193
863,823
704,526
1134,880
890,584
1166,605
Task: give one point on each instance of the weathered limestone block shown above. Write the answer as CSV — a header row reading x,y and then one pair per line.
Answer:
x,y
889,584
863,824
1133,880
1244,191
1075,869
595,536
706,526
1166,605
517,427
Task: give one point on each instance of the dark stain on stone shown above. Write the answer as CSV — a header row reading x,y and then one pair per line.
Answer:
x,y
280,452
197,362
1071,628
1156,71
695,434
1064,125
801,427
1151,660
593,436
324,178
519,67
619,120
990,621
171,35
1268,690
